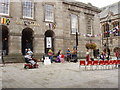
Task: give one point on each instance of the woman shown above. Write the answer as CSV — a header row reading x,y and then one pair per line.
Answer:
x,y
117,54
50,54
102,56
87,55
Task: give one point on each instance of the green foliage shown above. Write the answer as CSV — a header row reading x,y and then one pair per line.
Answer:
x,y
90,45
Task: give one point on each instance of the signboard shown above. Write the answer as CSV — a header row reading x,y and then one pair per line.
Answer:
x,y
5,21
47,61
49,42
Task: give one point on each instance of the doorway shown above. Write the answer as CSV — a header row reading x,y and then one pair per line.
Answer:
x,y
5,37
49,40
27,39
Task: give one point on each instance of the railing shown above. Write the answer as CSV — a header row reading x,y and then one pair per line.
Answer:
x,y
96,65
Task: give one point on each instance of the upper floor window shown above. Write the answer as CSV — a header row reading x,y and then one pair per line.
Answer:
x,y
106,28
74,23
49,13
89,25
4,7
116,27
28,9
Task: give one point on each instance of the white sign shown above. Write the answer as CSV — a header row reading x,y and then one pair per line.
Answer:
x,y
49,42
47,61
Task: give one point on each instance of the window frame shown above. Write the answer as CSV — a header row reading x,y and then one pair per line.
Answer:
x,y
90,25
71,22
4,14
32,10
53,13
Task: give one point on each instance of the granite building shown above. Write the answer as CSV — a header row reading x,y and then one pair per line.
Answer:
x,y
110,26
41,25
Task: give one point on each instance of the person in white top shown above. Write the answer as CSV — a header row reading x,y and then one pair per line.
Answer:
x,y
28,59
30,52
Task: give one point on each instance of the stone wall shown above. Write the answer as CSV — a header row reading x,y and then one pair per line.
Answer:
x,y
63,37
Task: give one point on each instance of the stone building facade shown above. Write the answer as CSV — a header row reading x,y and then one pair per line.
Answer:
x,y
44,25
110,26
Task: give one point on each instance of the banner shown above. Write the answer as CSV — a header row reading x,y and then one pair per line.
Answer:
x,y
5,21
48,42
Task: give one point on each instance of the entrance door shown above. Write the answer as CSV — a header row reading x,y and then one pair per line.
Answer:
x,y
27,39
49,40
5,40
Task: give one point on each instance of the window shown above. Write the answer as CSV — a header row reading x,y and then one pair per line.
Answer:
x,y
49,13
4,7
28,9
89,25
106,30
116,26
74,23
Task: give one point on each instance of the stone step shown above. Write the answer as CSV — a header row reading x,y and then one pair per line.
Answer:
x,y
18,58
13,59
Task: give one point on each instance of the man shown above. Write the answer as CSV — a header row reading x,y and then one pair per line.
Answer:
x,y
68,54
74,54
28,59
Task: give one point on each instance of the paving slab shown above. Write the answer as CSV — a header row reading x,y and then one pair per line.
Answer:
x,y
57,75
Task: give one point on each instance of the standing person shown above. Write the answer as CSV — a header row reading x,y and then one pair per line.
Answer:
x,y
102,55
98,53
117,54
74,54
107,51
5,46
68,54
50,54
106,55
87,55
95,53
59,52
3,62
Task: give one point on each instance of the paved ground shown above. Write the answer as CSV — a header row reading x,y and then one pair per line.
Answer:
x,y
57,75
0,77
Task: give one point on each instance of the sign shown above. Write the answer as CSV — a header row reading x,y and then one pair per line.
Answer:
x,y
5,21
49,42
47,61
24,22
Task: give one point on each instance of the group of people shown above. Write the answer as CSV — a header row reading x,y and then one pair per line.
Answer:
x,y
72,55
105,54
29,56
60,56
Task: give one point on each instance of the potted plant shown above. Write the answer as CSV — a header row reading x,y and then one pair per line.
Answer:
x,y
91,46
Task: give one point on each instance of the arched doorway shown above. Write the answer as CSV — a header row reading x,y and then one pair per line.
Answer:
x,y
27,39
49,40
5,37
